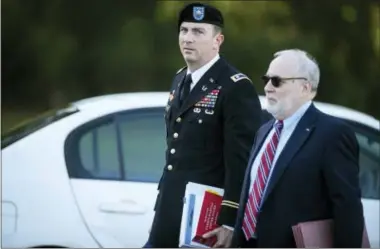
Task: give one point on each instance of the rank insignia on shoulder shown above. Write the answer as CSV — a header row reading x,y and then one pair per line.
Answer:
x,y
239,76
180,70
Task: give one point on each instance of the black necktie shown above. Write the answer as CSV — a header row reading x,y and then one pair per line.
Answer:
x,y
186,87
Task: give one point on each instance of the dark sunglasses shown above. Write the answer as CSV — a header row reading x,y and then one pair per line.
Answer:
x,y
277,80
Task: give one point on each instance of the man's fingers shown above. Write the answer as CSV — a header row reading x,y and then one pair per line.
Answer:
x,y
224,238
227,242
221,242
218,244
211,233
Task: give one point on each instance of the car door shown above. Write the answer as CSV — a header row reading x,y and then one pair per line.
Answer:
x,y
114,165
369,177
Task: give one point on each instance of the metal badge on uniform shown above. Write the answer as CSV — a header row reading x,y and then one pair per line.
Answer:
x,y
209,111
198,13
204,88
197,110
211,80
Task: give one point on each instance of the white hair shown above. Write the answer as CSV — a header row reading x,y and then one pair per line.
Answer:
x,y
307,65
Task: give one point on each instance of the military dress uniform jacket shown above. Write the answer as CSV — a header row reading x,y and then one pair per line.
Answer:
x,y
209,138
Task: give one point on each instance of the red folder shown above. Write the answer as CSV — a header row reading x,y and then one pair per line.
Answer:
x,y
208,217
319,234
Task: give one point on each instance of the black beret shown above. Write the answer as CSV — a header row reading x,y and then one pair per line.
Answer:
x,y
200,13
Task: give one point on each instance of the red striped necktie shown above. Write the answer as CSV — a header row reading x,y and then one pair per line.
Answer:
x,y
255,196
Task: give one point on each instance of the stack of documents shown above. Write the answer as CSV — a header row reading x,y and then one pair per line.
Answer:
x,y
200,212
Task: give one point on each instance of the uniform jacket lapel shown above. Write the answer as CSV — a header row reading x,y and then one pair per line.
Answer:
x,y
177,93
300,135
205,85
173,104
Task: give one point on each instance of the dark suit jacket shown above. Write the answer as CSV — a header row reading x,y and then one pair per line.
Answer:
x,y
315,177
209,139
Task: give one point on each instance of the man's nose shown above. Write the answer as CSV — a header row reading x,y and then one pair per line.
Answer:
x,y
268,86
188,37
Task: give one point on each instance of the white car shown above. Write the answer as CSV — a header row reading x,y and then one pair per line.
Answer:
x,y
86,176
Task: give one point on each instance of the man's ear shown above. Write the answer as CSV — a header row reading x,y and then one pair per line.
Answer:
x,y
219,40
307,88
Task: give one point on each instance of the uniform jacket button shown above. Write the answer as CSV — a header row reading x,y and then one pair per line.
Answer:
x,y
170,167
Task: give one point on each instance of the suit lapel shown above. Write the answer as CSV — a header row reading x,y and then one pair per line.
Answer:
x,y
205,85
260,138
300,135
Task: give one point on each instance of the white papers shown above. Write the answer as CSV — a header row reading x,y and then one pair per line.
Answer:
x,y
193,199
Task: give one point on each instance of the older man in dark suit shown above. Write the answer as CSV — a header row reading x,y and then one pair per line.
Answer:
x,y
304,164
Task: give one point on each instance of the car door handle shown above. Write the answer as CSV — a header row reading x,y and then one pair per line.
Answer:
x,y
122,207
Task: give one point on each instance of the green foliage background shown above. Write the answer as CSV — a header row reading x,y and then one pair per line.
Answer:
x,y
57,51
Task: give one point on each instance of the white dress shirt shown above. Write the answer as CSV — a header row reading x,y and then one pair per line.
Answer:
x,y
289,125
197,74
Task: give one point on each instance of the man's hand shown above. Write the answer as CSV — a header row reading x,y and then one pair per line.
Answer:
x,y
224,236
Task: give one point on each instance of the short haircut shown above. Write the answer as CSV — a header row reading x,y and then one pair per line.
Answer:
x,y
217,29
307,65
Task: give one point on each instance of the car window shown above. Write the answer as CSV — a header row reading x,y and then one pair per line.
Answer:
x,y
32,125
126,146
92,152
143,145
98,152
369,142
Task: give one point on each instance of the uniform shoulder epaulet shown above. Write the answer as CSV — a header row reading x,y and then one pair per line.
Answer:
x,y
180,70
239,76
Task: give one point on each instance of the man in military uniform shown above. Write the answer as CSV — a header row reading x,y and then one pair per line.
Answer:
x,y
212,115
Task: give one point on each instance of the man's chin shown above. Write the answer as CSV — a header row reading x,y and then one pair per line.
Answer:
x,y
276,112
189,58
272,109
